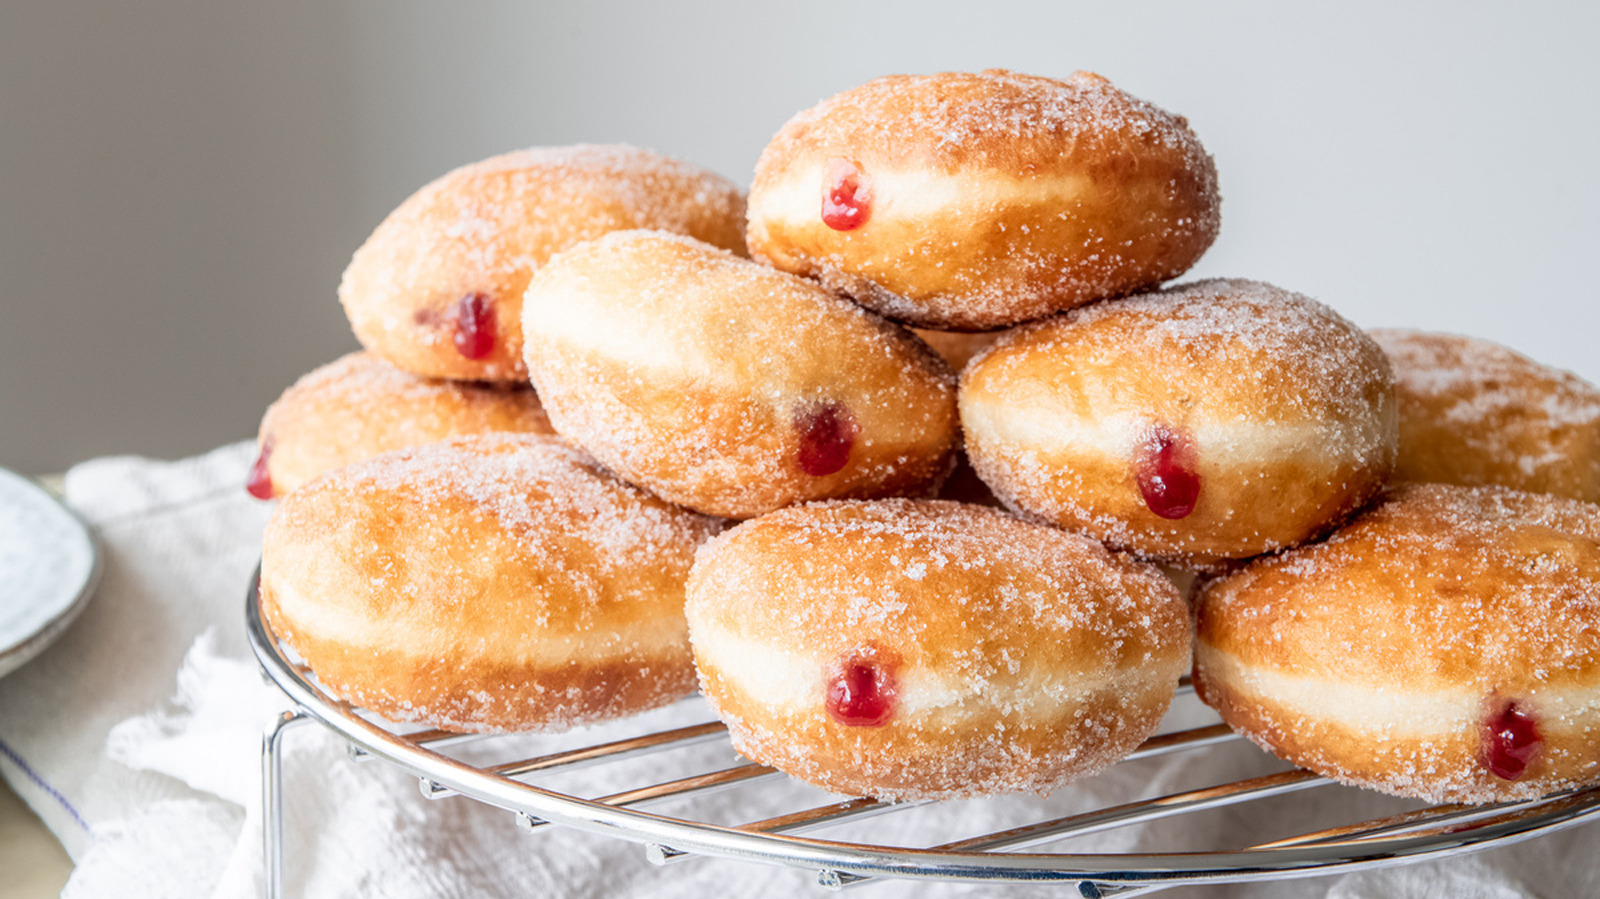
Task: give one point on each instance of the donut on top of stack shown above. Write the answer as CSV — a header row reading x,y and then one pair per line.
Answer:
x,y
729,387
437,288
972,201
1475,413
1212,421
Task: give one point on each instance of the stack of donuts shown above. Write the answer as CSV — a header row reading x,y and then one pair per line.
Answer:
x,y
901,459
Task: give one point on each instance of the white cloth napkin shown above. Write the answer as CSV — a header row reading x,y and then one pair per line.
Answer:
x,y
136,738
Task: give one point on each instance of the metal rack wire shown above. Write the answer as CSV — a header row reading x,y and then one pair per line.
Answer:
x,y
994,857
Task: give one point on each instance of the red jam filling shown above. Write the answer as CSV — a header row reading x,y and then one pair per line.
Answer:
x,y
473,319
861,692
827,433
1165,466
1511,742
846,196
259,481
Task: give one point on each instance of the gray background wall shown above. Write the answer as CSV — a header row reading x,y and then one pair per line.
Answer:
x,y
182,181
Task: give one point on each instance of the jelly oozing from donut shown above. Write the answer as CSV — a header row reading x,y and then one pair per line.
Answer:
x,y
1511,741
259,481
861,692
846,196
1168,482
827,433
473,319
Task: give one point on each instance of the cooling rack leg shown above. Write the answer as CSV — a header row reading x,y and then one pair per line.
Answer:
x,y
272,800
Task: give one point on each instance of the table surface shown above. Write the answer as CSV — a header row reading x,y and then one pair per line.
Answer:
x,y
35,864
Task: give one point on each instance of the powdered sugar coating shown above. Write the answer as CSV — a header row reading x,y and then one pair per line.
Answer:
x,y
487,583
1024,656
1377,656
997,197
1289,409
359,406
694,373
484,228
1474,413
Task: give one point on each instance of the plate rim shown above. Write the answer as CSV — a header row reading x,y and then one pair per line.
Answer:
x,y
28,646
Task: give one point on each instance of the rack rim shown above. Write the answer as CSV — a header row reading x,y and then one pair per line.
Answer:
x,y
840,863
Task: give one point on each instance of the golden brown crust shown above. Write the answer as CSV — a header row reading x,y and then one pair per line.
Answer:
x,y
997,197
699,376
1024,656
359,406
1287,407
1408,628
483,229
1475,413
489,583
1450,578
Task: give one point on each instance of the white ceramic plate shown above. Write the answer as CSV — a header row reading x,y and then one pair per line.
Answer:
x,y
48,567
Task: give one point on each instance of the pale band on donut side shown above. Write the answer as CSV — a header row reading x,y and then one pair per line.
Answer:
x,y
437,288
359,406
729,387
1211,421
913,649
1475,413
1444,645
972,201
499,582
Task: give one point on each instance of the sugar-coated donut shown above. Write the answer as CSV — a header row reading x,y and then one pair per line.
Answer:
x,y
1444,645
973,201
359,406
918,649
729,387
437,288
1215,420
1475,413
500,582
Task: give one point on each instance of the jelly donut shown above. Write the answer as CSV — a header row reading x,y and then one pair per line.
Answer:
x,y
1475,413
437,288
922,649
973,201
359,406
1445,645
498,582
727,386
1215,420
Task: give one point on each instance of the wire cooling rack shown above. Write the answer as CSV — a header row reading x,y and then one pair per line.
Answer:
x,y
997,857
